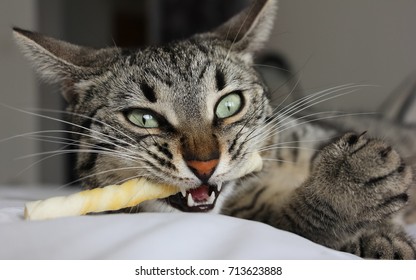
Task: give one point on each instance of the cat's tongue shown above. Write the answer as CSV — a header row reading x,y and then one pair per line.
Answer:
x,y
200,194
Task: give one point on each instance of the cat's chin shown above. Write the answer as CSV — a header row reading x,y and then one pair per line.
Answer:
x,y
201,199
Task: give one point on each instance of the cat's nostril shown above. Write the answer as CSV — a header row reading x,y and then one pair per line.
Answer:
x,y
203,169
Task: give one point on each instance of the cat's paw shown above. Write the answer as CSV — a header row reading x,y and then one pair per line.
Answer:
x,y
368,176
383,244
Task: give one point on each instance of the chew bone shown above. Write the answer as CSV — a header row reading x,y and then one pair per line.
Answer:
x,y
113,197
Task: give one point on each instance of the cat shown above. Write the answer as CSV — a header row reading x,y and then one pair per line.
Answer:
x,y
191,113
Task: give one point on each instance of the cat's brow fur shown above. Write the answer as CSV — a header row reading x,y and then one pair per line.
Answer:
x,y
320,180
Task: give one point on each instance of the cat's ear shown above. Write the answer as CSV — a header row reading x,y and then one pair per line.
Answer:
x,y
251,28
58,61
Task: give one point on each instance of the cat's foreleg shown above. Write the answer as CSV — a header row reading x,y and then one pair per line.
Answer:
x,y
356,187
386,241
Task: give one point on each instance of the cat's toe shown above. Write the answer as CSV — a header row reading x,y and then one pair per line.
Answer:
x,y
371,161
382,245
366,162
368,173
379,172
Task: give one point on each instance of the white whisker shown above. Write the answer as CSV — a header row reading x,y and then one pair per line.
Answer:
x,y
318,119
51,154
290,93
278,160
264,135
93,119
63,141
104,172
69,132
296,105
271,66
299,108
275,147
73,151
70,123
306,141
238,33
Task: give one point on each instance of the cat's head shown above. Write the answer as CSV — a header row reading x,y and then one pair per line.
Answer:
x,y
188,113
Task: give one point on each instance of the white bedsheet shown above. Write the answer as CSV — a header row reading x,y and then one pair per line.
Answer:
x,y
144,235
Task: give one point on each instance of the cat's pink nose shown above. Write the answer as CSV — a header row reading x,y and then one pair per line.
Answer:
x,y
203,169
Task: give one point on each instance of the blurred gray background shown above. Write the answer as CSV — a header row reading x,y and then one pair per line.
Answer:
x,y
326,42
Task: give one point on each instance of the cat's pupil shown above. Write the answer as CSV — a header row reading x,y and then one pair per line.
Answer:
x,y
148,121
229,105
142,119
146,118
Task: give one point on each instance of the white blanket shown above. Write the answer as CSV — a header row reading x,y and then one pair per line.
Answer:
x,y
144,235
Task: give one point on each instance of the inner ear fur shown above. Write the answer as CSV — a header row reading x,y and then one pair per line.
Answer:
x,y
251,28
61,62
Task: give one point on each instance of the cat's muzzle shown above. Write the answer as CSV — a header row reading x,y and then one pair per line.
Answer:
x,y
201,199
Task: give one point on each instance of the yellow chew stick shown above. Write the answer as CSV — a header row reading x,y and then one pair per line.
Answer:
x,y
113,197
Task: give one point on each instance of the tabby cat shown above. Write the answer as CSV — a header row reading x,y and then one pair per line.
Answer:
x,y
191,113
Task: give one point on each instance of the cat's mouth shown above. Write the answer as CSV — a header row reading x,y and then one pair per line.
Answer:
x,y
201,199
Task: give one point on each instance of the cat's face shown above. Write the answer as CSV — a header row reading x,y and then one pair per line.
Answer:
x,y
185,114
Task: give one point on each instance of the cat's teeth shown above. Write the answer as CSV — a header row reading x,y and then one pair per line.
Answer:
x,y
183,192
219,187
211,199
190,201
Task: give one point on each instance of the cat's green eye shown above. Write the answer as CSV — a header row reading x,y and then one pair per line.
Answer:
x,y
142,118
229,105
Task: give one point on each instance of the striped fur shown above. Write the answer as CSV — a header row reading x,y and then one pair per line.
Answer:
x,y
340,189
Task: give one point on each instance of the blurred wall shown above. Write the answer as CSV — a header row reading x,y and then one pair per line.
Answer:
x,y
18,88
334,42
81,22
